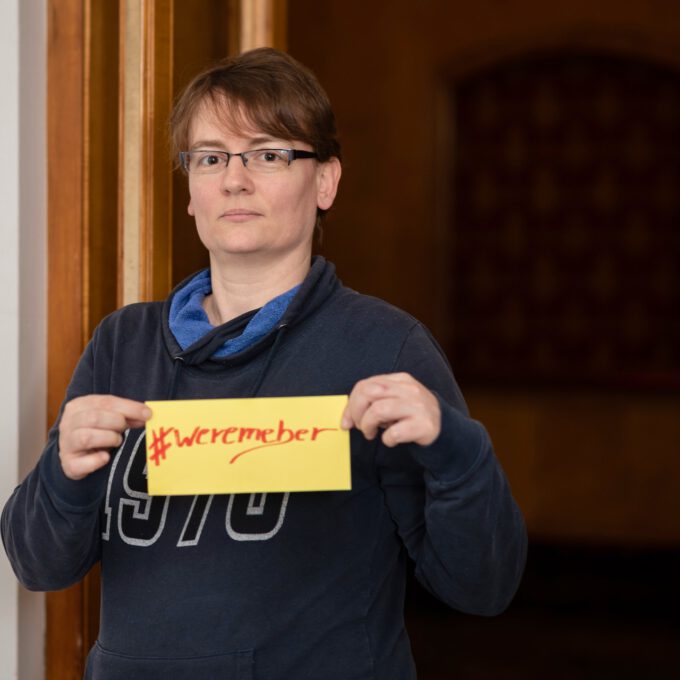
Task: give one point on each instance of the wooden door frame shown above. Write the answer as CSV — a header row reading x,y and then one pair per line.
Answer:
x,y
81,271
109,195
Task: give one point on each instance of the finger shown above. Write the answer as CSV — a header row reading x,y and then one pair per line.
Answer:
x,y
95,419
135,423
422,427
364,393
103,420
389,379
394,435
367,391
383,413
86,439
135,411
346,421
407,411
408,430
79,467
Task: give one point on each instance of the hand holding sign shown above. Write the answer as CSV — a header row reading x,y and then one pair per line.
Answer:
x,y
92,425
397,402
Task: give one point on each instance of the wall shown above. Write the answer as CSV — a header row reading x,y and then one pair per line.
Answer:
x,y
587,465
22,307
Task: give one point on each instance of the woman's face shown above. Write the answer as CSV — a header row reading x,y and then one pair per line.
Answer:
x,y
242,213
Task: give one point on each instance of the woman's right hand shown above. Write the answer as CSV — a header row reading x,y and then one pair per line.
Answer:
x,y
93,425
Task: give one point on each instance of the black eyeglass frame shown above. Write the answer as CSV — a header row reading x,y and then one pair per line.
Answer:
x,y
293,154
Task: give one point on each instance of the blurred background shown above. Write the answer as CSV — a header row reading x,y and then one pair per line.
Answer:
x,y
512,178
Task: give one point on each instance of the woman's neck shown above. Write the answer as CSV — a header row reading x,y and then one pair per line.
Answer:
x,y
239,287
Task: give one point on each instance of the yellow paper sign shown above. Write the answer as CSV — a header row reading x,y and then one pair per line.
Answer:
x,y
206,446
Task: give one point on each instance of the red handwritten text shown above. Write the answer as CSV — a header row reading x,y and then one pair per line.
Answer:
x,y
165,438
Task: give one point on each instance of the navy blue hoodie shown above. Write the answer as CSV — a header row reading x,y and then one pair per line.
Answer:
x,y
271,586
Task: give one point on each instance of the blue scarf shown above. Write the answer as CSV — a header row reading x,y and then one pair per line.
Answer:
x,y
189,322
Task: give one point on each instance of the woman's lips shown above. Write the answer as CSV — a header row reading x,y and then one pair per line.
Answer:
x,y
239,215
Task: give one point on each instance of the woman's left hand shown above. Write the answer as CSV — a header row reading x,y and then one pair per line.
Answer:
x,y
398,403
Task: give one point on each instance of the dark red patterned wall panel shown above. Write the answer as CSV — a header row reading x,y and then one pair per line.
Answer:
x,y
566,222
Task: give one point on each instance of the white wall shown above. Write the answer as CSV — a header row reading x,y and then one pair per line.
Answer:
x,y
22,303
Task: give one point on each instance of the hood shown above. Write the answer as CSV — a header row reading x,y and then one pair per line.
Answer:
x,y
320,282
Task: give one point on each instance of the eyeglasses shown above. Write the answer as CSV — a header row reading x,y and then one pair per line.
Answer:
x,y
208,162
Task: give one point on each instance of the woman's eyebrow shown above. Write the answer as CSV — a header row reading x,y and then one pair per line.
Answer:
x,y
252,143
207,144
256,141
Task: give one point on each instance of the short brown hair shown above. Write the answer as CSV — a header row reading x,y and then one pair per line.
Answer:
x,y
264,88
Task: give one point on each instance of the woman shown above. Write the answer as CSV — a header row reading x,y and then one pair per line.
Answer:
x,y
306,585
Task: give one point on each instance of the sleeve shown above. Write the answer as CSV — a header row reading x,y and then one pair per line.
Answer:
x,y
50,524
450,500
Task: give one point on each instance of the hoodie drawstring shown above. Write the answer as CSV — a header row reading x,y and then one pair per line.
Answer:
x,y
270,355
174,381
179,362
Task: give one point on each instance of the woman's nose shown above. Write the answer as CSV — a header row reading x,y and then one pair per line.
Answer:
x,y
236,178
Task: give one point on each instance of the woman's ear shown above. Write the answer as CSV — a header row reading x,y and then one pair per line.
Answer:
x,y
328,178
190,209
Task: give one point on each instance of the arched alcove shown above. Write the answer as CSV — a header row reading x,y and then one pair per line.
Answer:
x,y
565,222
